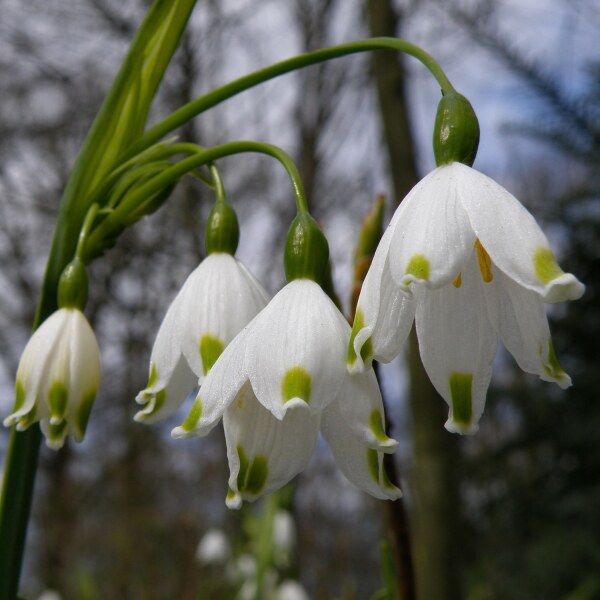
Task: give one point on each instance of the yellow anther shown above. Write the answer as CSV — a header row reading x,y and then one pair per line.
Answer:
x,y
458,281
485,262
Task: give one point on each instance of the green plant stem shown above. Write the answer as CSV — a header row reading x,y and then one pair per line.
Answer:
x,y
146,61
203,103
17,494
146,191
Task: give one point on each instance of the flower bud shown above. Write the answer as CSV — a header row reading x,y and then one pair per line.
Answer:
x,y
456,131
306,250
222,229
73,286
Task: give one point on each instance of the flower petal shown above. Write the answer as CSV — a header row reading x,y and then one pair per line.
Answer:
x,y
84,372
218,389
218,300
384,314
513,239
361,465
33,368
433,236
457,344
523,328
297,353
360,406
166,369
163,397
265,453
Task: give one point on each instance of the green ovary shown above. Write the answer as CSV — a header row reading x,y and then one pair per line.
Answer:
x,y
545,266
296,384
210,349
253,473
418,266
367,348
376,426
461,393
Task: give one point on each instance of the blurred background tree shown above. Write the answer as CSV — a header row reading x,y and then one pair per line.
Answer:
x,y
509,514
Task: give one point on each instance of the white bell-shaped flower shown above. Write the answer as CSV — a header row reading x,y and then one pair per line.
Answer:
x,y
217,300
279,382
465,256
214,548
58,378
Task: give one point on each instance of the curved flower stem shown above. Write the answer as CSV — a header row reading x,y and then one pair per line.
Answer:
x,y
85,231
203,103
217,182
178,170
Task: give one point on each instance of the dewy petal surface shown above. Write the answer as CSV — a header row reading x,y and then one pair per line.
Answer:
x,y
432,237
297,353
361,465
384,315
265,453
360,406
457,344
520,319
511,236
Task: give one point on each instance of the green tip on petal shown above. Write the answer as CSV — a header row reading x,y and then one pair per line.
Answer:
x,y
19,395
461,394
154,399
552,367
366,350
27,419
418,267
253,473
210,349
545,266
377,469
56,434
82,415
153,378
194,415
57,402
377,428
296,384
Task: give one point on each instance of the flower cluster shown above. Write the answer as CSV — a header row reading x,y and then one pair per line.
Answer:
x,y
274,373
281,381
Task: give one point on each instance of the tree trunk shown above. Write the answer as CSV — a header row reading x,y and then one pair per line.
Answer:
x,y
434,485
